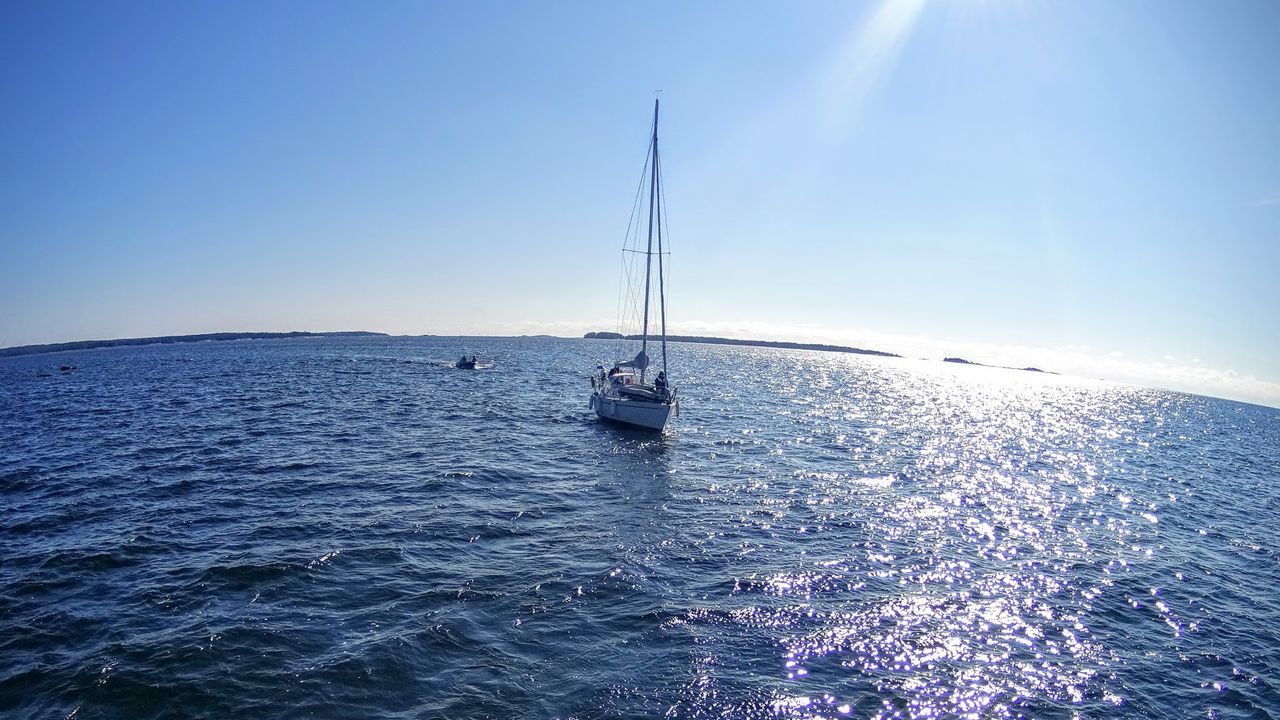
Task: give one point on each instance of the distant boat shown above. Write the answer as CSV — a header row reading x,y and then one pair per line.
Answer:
x,y
622,394
465,363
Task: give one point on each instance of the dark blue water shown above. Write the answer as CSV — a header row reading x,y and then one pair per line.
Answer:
x,y
352,528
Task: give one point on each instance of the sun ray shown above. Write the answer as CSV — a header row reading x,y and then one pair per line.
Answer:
x,y
867,56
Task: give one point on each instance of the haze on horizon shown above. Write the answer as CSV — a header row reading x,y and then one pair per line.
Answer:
x,y
1085,187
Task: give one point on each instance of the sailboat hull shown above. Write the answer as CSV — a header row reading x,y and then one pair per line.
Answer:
x,y
653,415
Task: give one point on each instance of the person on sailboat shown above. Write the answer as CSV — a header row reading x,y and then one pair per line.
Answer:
x,y
660,383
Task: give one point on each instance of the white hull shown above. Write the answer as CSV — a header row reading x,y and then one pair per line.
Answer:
x,y
653,415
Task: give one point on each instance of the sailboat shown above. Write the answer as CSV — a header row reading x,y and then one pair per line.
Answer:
x,y
623,393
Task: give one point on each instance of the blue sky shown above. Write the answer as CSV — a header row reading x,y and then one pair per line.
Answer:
x,y
1086,186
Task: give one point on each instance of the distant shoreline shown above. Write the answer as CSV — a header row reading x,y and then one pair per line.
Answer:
x,y
748,343
173,339
798,346
49,348
962,361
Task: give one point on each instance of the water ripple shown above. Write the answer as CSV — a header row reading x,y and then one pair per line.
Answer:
x,y
354,528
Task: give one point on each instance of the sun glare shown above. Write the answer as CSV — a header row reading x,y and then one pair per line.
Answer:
x,y
869,53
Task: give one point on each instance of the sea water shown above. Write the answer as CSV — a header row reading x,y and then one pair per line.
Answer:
x,y
354,528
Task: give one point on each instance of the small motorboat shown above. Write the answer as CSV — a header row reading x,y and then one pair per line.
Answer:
x,y
466,363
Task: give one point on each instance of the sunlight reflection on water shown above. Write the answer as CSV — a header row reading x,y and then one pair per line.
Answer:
x,y
987,519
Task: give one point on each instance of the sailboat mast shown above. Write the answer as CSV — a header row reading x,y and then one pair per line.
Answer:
x,y
648,254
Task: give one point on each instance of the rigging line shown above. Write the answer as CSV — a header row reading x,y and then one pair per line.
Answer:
x,y
630,310
665,229
666,223
635,204
662,291
663,268
626,311
632,222
648,265
631,307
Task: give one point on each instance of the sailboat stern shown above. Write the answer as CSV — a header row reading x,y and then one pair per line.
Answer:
x,y
632,411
